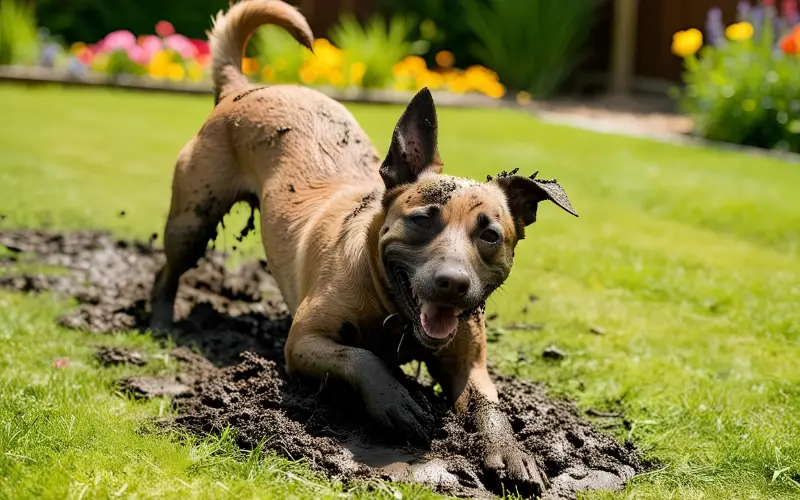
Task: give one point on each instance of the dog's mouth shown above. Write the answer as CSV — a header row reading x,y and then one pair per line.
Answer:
x,y
437,322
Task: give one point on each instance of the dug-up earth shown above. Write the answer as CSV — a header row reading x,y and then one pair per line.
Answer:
x,y
232,329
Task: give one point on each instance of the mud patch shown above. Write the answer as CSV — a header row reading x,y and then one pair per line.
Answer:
x,y
232,327
110,356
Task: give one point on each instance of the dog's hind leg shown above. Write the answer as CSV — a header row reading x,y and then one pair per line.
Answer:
x,y
206,184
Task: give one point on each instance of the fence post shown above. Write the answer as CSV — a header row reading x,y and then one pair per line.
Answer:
x,y
623,46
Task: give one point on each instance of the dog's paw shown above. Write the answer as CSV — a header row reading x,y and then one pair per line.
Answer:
x,y
513,466
391,406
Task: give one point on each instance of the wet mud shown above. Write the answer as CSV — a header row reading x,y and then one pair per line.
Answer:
x,y
231,329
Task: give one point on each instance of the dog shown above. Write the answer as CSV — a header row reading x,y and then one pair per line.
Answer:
x,y
380,260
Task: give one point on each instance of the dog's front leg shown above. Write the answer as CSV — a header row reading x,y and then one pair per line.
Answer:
x,y
314,349
461,370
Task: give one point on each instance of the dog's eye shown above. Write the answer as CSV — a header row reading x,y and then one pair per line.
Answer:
x,y
490,236
421,221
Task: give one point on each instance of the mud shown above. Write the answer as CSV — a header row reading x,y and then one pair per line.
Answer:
x,y
109,356
231,329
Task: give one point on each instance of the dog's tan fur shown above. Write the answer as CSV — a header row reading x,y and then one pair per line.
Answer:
x,y
330,211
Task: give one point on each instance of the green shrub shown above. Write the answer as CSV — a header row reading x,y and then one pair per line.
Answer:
x,y
442,26
90,20
19,40
276,49
378,45
745,90
532,44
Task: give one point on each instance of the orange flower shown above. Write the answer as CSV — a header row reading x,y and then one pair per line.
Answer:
x,y
249,66
445,59
790,44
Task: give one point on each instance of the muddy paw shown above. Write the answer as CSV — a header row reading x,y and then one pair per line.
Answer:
x,y
516,469
391,406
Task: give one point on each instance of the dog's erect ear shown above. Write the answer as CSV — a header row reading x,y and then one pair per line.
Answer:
x,y
414,147
525,193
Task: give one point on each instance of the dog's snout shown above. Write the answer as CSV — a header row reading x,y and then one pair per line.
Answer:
x,y
452,281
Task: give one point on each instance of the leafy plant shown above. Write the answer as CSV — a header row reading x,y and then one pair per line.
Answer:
x,y
19,40
743,86
279,54
442,27
532,44
378,45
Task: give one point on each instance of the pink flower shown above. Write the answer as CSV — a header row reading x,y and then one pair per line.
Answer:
x,y
201,46
165,28
181,45
151,44
86,55
117,40
138,54
61,362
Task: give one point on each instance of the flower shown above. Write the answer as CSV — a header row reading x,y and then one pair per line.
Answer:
x,y
790,44
159,64
789,11
308,74
249,66
410,66
181,45
357,71
268,73
523,98
165,28
175,72
77,47
445,59
150,44
739,31
61,362
714,26
429,79
201,45
117,40
138,55
687,43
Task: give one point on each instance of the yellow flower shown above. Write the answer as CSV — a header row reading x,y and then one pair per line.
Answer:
x,y
458,84
687,43
445,59
175,72
308,74
249,66
495,90
739,31
77,47
523,98
430,79
195,72
357,70
268,73
410,66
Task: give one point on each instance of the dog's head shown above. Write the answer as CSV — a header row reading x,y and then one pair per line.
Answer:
x,y
447,242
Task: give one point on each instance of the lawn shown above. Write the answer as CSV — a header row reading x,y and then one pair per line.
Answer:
x,y
687,258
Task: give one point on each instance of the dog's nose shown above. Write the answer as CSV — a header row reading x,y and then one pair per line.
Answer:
x,y
452,281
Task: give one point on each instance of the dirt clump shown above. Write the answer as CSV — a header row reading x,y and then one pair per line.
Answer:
x,y
231,330
110,356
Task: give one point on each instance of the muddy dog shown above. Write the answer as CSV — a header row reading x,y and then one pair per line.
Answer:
x,y
363,249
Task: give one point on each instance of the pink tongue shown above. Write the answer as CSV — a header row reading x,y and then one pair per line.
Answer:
x,y
438,321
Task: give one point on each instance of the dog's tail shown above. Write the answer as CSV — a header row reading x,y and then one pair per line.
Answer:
x,y
231,31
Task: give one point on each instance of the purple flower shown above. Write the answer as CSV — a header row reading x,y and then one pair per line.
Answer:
x,y
743,10
715,30
49,54
75,67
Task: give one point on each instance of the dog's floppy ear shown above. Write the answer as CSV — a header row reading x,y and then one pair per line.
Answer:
x,y
524,194
414,147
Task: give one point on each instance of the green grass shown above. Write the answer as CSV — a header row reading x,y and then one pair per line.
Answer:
x,y
689,258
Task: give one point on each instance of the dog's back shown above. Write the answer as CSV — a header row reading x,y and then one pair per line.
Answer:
x,y
298,155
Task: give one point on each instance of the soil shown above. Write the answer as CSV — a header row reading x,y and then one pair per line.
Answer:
x,y
109,356
232,327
